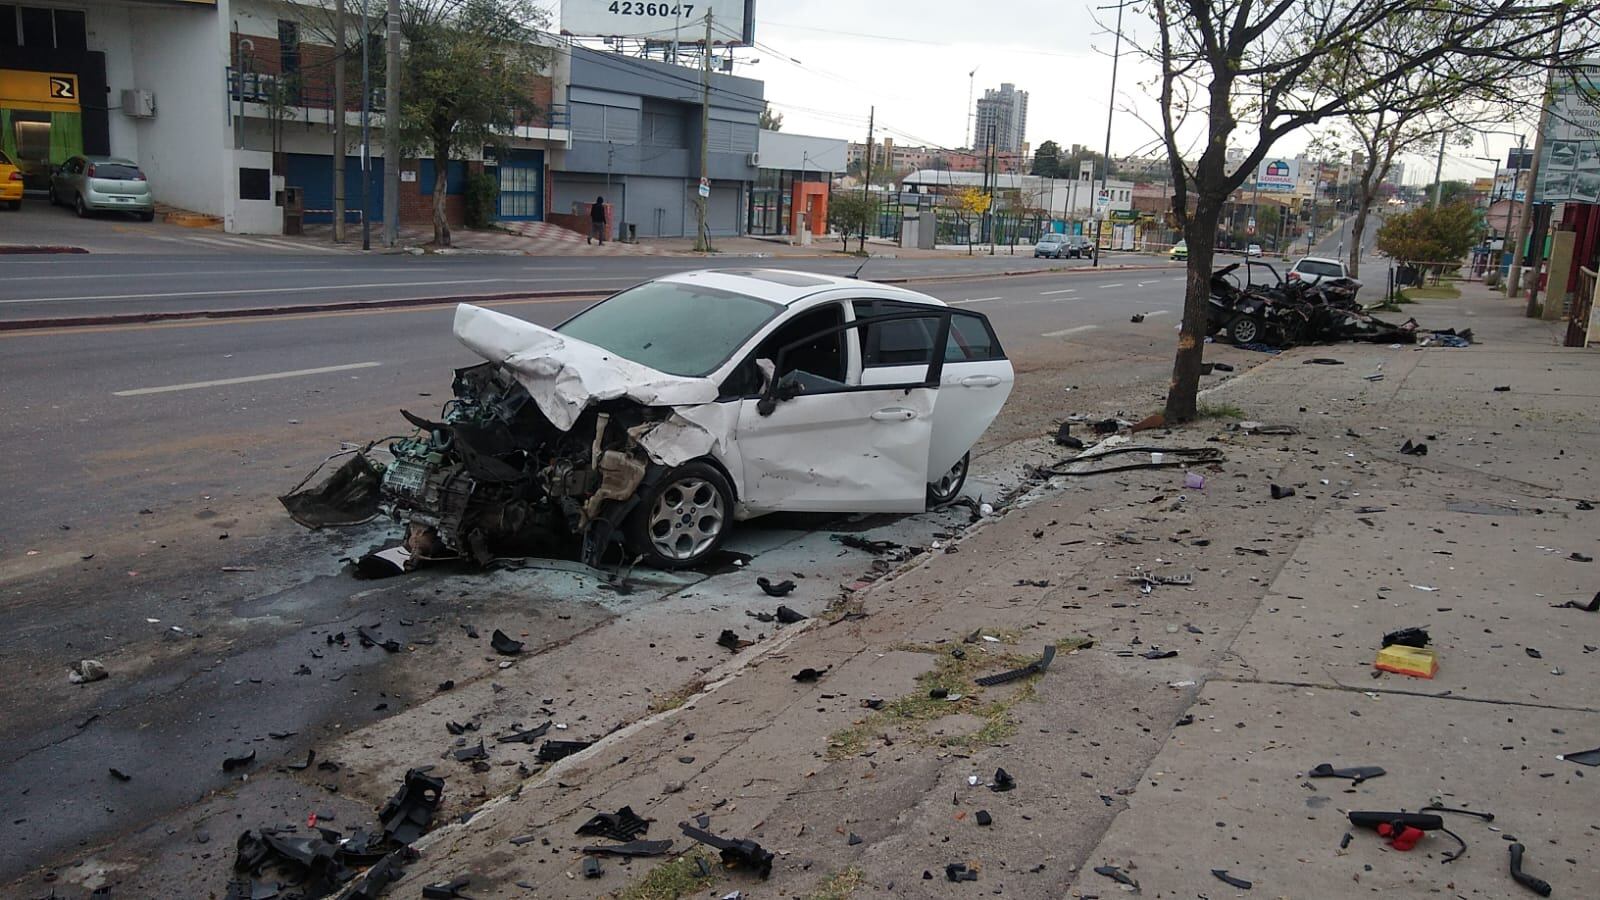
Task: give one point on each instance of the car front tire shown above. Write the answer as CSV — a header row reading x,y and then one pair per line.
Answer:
x,y
1244,330
79,208
949,486
682,518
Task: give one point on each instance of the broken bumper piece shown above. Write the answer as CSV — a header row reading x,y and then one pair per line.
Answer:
x,y
737,853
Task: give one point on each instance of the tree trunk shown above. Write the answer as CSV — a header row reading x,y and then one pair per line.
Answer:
x,y
1201,235
441,184
1357,229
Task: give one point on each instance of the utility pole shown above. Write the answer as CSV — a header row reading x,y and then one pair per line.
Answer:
x,y
366,135
1438,174
391,129
1511,199
872,115
992,179
702,240
1514,277
339,61
1111,108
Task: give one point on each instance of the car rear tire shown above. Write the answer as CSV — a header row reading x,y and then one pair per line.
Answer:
x,y
682,518
1244,330
14,205
147,217
79,208
948,487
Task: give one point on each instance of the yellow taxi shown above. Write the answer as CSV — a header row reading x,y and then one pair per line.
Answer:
x,y
10,183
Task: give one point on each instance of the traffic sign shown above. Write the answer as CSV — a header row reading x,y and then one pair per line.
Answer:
x,y
705,187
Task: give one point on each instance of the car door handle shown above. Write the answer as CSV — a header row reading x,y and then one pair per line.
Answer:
x,y
980,381
894,414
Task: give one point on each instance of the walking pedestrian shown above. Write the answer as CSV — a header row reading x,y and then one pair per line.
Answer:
x,y
597,221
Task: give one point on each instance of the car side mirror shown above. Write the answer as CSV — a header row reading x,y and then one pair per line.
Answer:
x,y
786,388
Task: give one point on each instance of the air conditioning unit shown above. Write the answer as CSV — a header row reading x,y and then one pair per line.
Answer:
x,y
139,104
753,159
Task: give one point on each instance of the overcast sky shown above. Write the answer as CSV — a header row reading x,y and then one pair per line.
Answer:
x,y
826,63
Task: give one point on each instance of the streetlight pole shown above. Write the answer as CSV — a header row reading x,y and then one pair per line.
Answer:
x,y
366,134
1105,163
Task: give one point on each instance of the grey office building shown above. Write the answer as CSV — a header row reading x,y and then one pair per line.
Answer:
x,y
1003,114
636,141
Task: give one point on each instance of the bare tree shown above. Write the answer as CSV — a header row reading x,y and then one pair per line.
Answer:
x,y
1263,69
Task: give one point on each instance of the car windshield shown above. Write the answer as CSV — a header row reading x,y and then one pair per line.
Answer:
x,y
1053,239
680,329
116,171
1317,267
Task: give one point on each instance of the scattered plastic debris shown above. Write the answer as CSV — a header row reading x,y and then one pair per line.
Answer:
x,y
736,852
86,670
1117,875
1582,757
960,872
552,751
1034,668
1418,662
1279,492
622,825
1356,774
503,644
1223,876
781,589
1537,885
1002,782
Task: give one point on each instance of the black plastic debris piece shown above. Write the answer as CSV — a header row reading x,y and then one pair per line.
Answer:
x,y
808,675
730,640
551,751
1222,367
1224,877
1323,361
876,548
1117,875
1582,757
1064,437
120,775
591,868
1106,426
503,644
459,728
1344,842
1356,774
959,872
1533,653
1188,719
1136,318
1033,668
367,640
406,815
853,839
762,617
378,878
938,693
1502,389
781,589
446,890
314,861
238,762
1580,557
1408,637
631,848
469,754
1158,653
1585,506
1537,885
1279,492
1033,582
1002,781
516,736
622,825
736,852
379,564
983,818
311,757
1592,606
788,616
1417,449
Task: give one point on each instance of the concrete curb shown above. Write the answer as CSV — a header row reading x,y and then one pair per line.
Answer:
x,y
19,249
255,312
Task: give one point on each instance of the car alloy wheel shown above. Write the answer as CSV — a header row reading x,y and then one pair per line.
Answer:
x,y
684,517
949,485
1244,330
79,208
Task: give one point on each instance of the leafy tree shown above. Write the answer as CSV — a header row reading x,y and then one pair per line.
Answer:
x,y
1069,166
1450,192
1270,68
1047,160
1268,219
771,121
1441,234
466,81
852,213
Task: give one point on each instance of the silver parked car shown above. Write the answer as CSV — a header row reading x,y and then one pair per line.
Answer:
x,y
102,184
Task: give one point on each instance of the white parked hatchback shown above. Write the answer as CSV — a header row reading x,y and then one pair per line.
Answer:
x,y
1313,269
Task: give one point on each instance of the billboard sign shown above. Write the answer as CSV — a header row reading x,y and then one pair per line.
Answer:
x,y
732,21
1519,159
1278,174
1569,170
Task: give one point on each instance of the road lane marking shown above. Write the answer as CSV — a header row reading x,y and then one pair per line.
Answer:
x,y
1118,284
290,245
1062,291
1066,331
220,382
126,276
271,290
1158,312
973,300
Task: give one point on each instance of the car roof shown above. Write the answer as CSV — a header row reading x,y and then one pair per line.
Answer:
x,y
111,159
1320,259
788,287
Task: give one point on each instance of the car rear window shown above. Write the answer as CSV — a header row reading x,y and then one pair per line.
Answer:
x,y
680,329
1313,267
4,160
905,342
116,171
971,339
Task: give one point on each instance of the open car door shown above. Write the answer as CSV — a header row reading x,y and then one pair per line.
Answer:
x,y
813,443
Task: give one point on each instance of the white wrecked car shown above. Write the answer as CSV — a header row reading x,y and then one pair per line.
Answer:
x,y
661,415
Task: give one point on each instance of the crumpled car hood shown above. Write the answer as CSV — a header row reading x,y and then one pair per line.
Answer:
x,y
564,375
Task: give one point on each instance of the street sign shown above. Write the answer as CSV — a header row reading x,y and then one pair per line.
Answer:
x,y
733,21
1250,226
1519,159
705,188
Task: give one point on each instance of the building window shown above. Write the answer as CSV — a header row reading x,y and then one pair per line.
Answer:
x,y
288,48
71,33
38,27
8,25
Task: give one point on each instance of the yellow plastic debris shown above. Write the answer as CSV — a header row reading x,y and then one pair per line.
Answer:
x,y
1418,662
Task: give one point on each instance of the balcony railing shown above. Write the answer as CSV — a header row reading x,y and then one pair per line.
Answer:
x,y
293,92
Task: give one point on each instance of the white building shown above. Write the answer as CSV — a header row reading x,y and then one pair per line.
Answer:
x,y
1065,198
